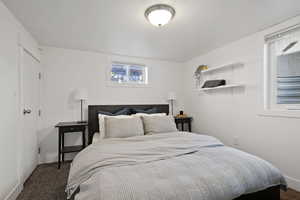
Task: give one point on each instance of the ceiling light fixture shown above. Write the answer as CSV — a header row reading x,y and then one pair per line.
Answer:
x,y
160,14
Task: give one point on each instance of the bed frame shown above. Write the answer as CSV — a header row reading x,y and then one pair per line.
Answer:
x,y
272,193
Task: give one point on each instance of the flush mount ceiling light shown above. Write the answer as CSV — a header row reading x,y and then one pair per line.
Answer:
x,y
160,14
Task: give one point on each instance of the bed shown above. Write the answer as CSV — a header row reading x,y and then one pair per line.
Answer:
x,y
176,165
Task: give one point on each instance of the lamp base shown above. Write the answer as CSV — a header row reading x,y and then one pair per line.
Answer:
x,y
81,122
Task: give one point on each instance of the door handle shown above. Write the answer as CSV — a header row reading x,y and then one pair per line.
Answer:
x,y
26,111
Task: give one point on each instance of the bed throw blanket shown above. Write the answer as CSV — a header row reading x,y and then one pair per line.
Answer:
x,y
175,166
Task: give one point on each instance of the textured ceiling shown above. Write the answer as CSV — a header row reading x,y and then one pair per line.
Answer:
x,y
119,26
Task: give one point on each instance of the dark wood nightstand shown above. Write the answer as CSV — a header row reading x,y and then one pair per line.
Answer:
x,y
184,120
69,127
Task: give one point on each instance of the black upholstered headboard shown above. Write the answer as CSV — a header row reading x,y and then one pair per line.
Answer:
x,y
93,111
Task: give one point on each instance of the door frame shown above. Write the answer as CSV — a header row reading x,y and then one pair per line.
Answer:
x,y
22,50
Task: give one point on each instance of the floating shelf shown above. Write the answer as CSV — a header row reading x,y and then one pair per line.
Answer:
x,y
222,67
222,87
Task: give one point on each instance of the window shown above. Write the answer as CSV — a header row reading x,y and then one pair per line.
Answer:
x,y
282,70
288,79
128,74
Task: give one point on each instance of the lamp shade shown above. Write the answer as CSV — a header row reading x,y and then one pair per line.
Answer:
x,y
171,96
81,94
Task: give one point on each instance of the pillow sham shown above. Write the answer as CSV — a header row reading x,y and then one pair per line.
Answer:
x,y
145,114
123,127
101,121
158,124
102,114
97,137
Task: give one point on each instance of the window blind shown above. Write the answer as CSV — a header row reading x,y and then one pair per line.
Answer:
x,y
286,59
288,89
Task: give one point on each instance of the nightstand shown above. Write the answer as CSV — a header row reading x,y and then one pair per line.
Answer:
x,y
69,127
184,120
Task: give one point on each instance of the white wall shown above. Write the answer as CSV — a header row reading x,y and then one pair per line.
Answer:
x,y
226,114
12,34
235,113
65,70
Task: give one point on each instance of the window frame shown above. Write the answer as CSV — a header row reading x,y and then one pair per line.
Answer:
x,y
127,84
270,86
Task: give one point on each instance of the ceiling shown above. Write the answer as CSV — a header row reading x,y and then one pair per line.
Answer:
x,y
119,26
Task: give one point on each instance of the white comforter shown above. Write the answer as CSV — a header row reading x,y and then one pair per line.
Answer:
x,y
175,166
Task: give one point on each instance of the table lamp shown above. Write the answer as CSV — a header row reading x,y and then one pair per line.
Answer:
x,y
172,98
81,95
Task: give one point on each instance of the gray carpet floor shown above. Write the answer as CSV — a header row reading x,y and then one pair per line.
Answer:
x,y
48,183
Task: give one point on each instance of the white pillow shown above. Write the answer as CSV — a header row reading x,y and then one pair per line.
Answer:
x,y
97,137
123,127
101,118
159,124
101,124
154,114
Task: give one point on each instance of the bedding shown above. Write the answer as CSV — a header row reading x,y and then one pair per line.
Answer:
x,y
176,165
123,111
97,137
158,124
102,124
155,114
146,111
122,127
102,114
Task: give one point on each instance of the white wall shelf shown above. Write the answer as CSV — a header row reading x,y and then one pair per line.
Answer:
x,y
222,87
237,64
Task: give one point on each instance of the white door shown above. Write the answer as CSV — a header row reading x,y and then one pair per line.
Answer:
x,y
30,94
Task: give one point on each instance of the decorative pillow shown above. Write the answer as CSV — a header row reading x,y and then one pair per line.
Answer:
x,y
102,114
159,124
146,111
118,127
145,114
102,125
123,111
97,137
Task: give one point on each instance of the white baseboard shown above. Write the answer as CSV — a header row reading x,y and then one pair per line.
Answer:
x,y
52,157
48,158
15,192
293,183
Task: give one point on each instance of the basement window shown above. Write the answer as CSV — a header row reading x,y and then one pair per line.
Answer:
x,y
282,71
127,74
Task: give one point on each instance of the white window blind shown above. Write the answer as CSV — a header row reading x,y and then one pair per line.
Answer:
x,y
284,55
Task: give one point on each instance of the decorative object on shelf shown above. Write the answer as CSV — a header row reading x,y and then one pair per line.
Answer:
x,y
81,95
223,67
181,114
198,73
222,87
216,73
214,83
160,14
172,98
